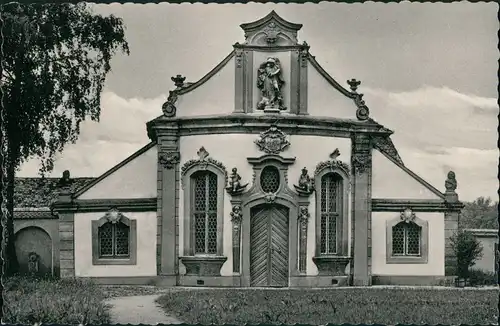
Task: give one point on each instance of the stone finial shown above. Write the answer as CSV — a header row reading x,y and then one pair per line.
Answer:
x,y
202,153
335,154
451,186
354,84
178,80
65,180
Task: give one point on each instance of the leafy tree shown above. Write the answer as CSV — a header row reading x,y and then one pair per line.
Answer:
x,y
467,250
482,213
55,58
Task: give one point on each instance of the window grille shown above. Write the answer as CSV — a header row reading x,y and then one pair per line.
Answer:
x,y
205,212
406,239
114,240
270,179
329,201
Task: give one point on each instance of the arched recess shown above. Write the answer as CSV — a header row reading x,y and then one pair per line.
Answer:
x,y
34,239
203,182
332,185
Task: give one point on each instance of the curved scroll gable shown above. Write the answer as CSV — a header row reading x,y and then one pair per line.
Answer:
x,y
188,87
329,79
203,163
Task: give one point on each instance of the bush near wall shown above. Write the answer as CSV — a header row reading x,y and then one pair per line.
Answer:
x,y
33,300
479,277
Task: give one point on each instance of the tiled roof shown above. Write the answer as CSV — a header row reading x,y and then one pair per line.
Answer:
x,y
30,214
41,192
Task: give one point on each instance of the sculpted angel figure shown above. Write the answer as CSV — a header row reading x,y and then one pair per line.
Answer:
x,y
305,181
270,83
235,180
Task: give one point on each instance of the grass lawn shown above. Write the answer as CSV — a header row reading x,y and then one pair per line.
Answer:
x,y
29,301
338,306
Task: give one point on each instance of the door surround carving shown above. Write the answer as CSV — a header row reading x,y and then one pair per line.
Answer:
x,y
255,196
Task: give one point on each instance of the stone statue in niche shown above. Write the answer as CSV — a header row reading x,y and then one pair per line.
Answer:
x,y
270,83
33,263
451,182
235,186
306,185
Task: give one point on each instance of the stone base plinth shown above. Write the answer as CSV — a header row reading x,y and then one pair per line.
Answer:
x,y
203,265
331,265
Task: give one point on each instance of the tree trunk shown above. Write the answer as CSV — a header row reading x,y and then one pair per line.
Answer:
x,y
11,263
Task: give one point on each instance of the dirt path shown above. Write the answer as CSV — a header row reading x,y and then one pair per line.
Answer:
x,y
139,310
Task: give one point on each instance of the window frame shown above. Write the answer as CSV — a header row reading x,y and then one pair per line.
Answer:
x,y
206,211
132,257
343,210
187,185
408,259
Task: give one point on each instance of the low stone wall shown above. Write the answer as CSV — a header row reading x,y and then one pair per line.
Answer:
x,y
489,240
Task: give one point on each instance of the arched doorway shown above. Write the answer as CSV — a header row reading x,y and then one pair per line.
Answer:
x,y
269,245
34,239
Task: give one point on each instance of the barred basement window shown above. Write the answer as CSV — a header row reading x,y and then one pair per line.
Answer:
x,y
114,240
204,212
406,239
330,200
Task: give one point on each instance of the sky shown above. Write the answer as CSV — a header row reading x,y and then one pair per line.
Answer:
x,y
428,72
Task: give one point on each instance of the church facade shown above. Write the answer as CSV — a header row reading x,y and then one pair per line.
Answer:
x,y
267,172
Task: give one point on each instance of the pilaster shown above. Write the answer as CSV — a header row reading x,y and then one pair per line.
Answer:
x,y
66,234
236,219
168,202
361,161
451,223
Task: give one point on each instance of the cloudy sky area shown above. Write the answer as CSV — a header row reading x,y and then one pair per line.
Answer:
x,y
428,71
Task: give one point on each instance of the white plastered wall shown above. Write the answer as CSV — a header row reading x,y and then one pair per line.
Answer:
x,y
234,149
436,246
146,247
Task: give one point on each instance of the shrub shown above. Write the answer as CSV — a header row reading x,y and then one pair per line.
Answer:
x,y
40,300
467,250
480,277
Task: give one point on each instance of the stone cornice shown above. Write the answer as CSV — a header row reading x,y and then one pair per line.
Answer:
x,y
416,205
483,232
257,123
263,48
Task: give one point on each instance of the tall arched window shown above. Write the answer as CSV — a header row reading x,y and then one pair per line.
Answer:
x,y
203,183
204,212
330,212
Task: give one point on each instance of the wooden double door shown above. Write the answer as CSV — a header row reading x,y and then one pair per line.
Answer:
x,y
269,253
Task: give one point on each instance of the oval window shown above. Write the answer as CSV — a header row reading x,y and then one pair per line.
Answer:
x,y
270,179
